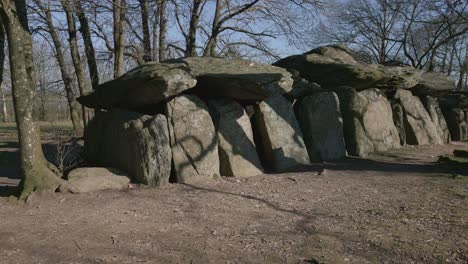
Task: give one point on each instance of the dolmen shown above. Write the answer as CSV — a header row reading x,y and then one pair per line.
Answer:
x,y
195,119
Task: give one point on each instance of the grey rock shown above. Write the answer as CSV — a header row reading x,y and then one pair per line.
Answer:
x,y
419,128
144,86
193,140
282,143
321,122
86,180
335,66
399,121
237,152
137,144
457,124
368,121
435,112
237,79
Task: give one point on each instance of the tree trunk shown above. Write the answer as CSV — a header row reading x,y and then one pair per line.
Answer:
x,y
119,12
211,45
75,54
191,42
2,63
4,106
162,30
147,55
73,105
89,48
155,34
37,174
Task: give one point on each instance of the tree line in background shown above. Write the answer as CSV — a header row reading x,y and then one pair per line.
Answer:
x,y
65,48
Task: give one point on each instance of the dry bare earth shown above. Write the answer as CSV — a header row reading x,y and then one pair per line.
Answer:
x,y
400,207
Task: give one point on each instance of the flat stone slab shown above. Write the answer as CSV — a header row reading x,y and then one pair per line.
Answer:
x,y
86,180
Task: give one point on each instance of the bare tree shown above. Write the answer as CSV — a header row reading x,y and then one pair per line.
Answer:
x,y
162,30
64,69
119,14
75,53
37,172
2,63
147,55
89,46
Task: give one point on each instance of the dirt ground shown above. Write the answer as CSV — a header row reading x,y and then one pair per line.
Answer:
x,y
398,207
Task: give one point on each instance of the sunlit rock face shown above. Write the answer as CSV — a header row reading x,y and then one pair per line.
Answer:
x,y
193,139
435,112
368,121
282,142
237,150
419,128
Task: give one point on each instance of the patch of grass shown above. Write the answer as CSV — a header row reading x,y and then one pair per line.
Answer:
x,y
461,193
453,160
376,211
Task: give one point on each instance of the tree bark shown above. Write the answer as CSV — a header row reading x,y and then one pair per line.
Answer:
x,y
147,55
155,34
72,40
2,63
119,13
89,48
211,44
162,30
73,105
37,174
191,42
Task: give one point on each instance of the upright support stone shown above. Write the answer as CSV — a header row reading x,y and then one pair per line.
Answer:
x,y
322,126
281,138
137,144
419,128
368,121
237,152
435,112
399,121
193,140
457,124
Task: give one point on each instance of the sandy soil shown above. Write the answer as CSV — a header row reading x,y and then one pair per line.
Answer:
x,y
399,207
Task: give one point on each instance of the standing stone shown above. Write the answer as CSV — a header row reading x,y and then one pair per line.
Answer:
x,y
193,139
137,144
368,121
398,120
432,106
322,126
457,124
281,138
419,128
237,152
151,150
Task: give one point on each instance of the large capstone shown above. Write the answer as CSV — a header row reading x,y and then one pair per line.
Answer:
x,y
457,124
141,88
368,121
419,128
137,144
281,138
193,140
237,79
237,152
322,126
147,85
335,66
435,112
